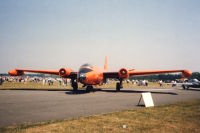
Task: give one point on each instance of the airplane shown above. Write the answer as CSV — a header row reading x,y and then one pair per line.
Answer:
x,y
193,83
89,75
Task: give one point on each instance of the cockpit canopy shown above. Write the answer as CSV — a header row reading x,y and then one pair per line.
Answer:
x,y
85,68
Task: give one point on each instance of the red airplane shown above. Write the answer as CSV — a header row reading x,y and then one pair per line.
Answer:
x,y
89,75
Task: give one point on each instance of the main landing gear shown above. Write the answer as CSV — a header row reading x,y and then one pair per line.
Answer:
x,y
74,85
119,85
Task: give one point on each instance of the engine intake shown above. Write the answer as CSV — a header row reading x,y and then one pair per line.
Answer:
x,y
16,73
64,72
123,73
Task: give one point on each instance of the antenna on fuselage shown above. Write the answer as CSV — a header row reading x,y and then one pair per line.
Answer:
x,y
106,64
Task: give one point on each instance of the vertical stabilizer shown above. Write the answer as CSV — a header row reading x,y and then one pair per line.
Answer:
x,y
106,64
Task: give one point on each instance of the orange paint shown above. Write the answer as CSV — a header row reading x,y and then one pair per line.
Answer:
x,y
64,72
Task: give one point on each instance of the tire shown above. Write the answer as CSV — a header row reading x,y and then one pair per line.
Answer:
x,y
89,88
118,87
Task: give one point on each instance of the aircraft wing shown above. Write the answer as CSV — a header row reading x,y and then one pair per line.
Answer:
x,y
63,72
124,73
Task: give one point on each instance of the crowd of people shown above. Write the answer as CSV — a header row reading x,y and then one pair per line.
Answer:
x,y
24,79
50,81
140,82
1,80
146,82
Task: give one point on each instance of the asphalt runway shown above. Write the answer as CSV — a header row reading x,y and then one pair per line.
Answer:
x,y
23,106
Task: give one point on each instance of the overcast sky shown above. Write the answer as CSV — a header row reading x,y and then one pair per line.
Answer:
x,y
140,34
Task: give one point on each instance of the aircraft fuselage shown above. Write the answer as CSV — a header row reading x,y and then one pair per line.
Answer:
x,y
90,75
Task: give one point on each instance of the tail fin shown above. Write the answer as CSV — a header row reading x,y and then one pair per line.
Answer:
x,y
106,64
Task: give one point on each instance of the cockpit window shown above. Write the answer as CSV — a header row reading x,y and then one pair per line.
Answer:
x,y
84,70
87,66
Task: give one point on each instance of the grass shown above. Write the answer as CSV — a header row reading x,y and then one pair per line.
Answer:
x,y
32,85
56,86
180,117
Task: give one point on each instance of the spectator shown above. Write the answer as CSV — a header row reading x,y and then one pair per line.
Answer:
x,y
1,80
160,83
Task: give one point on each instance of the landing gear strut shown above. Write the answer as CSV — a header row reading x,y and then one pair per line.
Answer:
x,y
119,85
74,85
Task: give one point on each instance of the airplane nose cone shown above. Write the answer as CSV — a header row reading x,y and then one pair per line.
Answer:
x,y
82,77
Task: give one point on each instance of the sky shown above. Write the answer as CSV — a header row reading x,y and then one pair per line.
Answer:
x,y
139,34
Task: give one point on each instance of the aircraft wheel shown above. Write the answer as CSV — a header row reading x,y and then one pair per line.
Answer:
x,y
89,88
118,86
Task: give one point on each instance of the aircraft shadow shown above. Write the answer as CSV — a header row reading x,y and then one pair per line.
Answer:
x,y
114,91
83,91
71,92
134,91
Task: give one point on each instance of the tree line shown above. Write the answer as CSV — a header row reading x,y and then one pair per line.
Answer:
x,y
165,77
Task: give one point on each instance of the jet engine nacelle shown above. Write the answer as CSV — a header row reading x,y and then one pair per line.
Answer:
x,y
16,73
186,73
64,72
123,73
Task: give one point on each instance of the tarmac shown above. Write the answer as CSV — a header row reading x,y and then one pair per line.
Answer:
x,y
28,106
